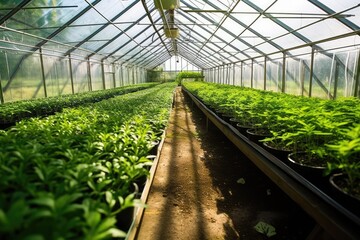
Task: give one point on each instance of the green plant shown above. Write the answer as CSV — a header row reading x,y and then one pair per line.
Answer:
x,y
196,76
69,175
346,153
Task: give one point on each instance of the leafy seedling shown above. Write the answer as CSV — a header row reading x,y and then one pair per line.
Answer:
x,y
265,229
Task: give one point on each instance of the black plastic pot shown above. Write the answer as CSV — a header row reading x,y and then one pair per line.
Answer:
x,y
313,172
233,121
242,128
281,154
154,149
226,117
256,134
337,183
125,218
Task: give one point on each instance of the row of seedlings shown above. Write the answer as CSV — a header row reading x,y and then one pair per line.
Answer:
x,y
73,175
314,136
12,112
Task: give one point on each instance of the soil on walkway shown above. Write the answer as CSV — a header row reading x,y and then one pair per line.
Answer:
x,y
205,188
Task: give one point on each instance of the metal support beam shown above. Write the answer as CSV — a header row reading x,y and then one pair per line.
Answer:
x,y
329,11
252,74
103,74
89,73
14,11
113,73
265,66
152,23
43,72
311,70
283,75
133,75
357,77
302,77
1,94
102,27
241,75
234,66
336,75
71,75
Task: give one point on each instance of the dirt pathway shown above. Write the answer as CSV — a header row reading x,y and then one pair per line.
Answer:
x,y
204,188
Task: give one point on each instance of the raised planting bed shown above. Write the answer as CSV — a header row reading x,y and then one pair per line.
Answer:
x,y
313,193
12,112
76,174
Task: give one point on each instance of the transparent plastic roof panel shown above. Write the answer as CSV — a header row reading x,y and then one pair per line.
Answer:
x,y
208,33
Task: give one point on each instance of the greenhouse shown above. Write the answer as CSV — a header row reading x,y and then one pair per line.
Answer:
x,y
179,119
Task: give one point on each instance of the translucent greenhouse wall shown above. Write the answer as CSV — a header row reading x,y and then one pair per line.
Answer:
x,y
334,74
36,75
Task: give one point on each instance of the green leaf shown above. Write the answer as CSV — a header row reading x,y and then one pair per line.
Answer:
x,y
106,224
93,218
39,173
34,237
109,199
16,214
47,201
39,213
3,220
265,229
117,233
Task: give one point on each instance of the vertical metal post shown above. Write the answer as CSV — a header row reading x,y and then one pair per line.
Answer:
x,y
357,77
113,73
283,75
336,78
43,71
71,75
133,75
241,74
103,74
89,74
1,93
229,73
218,79
252,74
265,66
311,70
120,76
302,77
234,66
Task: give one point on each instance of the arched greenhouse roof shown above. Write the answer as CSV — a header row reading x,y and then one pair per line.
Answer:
x,y
210,33
55,47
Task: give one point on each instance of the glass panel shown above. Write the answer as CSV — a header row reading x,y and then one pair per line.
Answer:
x,y
237,75
80,76
258,76
21,76
246,76
273,75
109,76
294,78
96,76
339,6
346,74
57,75
43,21
321,76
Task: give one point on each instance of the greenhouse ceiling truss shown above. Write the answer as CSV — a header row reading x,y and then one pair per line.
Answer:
x,y
213,35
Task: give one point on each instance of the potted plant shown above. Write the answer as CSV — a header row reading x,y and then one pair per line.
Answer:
x,y
346,154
